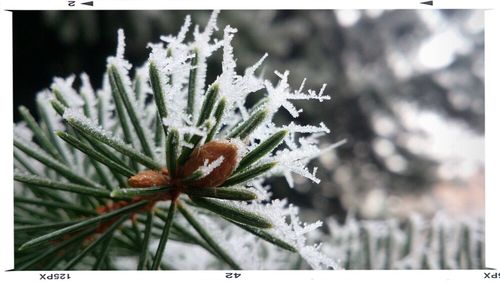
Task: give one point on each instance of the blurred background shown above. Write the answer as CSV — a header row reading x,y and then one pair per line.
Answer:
x,y
407,90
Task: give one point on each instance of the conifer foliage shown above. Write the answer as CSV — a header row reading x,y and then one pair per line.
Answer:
x,y
161,166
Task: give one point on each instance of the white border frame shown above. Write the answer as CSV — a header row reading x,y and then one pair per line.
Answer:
x,y
492,135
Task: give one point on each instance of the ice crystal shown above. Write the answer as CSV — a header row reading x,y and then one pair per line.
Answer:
x,y
207,167
65,87
88,94
21,130
280,95
91,125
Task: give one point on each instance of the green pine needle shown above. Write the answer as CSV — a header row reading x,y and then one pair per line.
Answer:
x,y
145,241
95,243
233,213
207,237
60,97
39,134
194,141
49,123
219,112
120,109
29,149
133,192
164,237
63,206
94,154
227,193
184,233
58,248
208,103
248,174
192,84
158,90
114,143
267,236
248,126
63,186
58,106
171,151
265,147
85,223
45,226
117,85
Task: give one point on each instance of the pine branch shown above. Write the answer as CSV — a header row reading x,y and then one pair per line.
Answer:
x,y
111,139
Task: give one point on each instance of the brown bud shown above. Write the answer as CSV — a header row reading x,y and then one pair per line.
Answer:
x,y
149,178
211,152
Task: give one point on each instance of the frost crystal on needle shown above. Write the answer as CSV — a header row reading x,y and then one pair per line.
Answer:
x,y
207,167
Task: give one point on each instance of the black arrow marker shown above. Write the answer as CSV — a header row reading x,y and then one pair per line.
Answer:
x,y
430,3
91,3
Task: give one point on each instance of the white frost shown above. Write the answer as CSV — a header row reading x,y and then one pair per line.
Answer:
x,y
207,167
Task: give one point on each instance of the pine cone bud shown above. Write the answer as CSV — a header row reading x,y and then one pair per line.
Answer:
x,y
149,178
211,152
